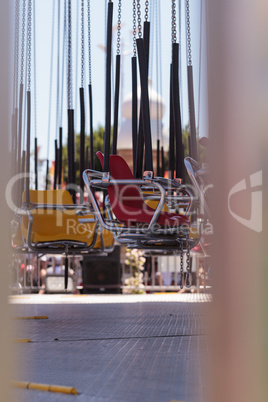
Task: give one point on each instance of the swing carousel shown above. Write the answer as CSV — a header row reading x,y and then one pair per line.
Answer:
x,y
140,209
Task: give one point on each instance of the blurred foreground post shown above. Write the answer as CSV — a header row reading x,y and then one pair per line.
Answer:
x,y
238,127
5,139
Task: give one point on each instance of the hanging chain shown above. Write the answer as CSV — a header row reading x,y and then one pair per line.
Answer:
x,y
22,41
82,44
188,33
134,29
29,43
139,18
181,270
70,83
146,10
119,27
173,22
89,40
16,54
188,278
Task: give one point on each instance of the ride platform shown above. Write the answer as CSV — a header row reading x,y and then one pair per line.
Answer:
x,y
121,348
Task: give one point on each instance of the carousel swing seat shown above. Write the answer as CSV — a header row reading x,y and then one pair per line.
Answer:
x,y
51,224
131,219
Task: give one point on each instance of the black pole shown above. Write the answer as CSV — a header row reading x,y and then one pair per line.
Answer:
x,y
140,139
22,170
158,158
87,157
20,126
55,166
162,162
179,161
192,139
14,151
71,162
15,140
82,143
145,105
171,159
116,103
107,133
60,156
92,159
28,149
47,173
134,111
66,273
36,163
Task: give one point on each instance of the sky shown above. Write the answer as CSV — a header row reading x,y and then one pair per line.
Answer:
x,y
44,122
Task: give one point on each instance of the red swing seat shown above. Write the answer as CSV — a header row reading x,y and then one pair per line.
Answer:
x,y
127,203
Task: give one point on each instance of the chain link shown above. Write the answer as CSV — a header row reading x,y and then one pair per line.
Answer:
x,y
188,278
146,10
16,54
69,72
173,22
29,43
139,18
188,33
82,44
89,40
119,27
181,270
22,41
134,29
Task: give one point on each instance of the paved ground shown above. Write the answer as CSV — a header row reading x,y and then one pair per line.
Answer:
x,y
119,348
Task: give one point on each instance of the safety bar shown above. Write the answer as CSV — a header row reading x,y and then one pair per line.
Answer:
x,y
193,170
122,228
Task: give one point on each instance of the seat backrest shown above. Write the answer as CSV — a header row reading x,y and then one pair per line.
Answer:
x,y
121,171
54,197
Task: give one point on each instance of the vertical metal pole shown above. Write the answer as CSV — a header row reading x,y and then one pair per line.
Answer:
x,y
82,143
28,149
92,159
55,165
134,111
36,163
153,272
107,136
116,104
60,157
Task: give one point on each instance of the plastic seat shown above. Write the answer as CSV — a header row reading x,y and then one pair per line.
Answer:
x,y
55,224
127,203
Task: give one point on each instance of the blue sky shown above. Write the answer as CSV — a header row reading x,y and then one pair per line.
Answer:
x,y
43,56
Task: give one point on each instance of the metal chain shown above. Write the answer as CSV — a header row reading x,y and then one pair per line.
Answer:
x,y
188,33
119,26
146,10
16,54
139,18
89,40
134,29
188,279
22,41
173,22
82,44
181,270
29,43
69,69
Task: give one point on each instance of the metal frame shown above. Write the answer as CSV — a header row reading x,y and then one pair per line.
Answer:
x,y
59,246
147,237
